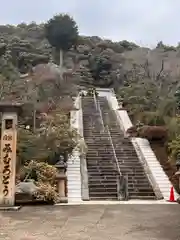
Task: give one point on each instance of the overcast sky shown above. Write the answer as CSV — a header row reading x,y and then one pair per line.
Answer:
x,y
143,21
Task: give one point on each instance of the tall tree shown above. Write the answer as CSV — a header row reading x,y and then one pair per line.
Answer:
x,y
62,33
8,74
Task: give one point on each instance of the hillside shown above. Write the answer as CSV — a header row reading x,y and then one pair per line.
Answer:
x,y
146,80
101,62
98,62
30,43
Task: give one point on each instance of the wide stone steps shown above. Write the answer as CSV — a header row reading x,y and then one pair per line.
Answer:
x,y
139,197
100,197
74,179
129,163
100,190
101,165
100,159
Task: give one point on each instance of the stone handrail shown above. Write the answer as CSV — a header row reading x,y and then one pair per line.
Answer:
x,y
125,121
137,146
83,164
106,128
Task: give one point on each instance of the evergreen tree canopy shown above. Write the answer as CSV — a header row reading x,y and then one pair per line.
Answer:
x,y
61,32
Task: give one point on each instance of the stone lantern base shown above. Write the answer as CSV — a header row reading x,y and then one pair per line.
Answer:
x,y
61,187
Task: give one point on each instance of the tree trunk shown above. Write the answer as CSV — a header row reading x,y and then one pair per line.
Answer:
x,y
60,59
34,120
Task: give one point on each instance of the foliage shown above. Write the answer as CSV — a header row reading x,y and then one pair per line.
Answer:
x,y
45,178
82,147
151,118
43,171
8,75
55,137
174,127
61,32
3,48
46,192
165,47
91,92
28,46
177,98
153,100
174,148
147,80
28,146
128,45
99,66
145,93
50,85
57,134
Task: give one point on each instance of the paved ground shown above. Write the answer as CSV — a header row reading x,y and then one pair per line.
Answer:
x,y
92,222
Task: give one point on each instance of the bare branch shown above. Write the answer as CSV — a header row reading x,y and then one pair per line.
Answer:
x,y
161,70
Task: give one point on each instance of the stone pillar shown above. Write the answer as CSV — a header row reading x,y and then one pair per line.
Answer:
x,y
8,155
8,158
61,180
61,185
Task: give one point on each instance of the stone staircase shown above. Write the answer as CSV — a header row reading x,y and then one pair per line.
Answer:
x,y
74,178
73,164
107,148
101,165
139,186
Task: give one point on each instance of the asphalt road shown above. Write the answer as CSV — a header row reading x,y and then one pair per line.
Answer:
x,y
92,222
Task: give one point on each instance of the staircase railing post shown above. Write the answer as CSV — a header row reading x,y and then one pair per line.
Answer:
x,y
122,187
126,188
118,186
